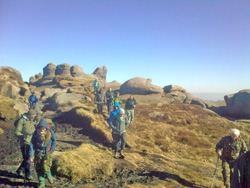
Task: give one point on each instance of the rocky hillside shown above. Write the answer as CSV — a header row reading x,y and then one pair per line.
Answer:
x,y
171,142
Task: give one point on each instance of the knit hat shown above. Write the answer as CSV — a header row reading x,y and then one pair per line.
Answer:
x,y
121,111
31,113
42,124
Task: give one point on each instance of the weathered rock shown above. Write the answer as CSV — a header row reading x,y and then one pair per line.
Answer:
x,y
238,104
76,71
140,86
173,88
35,78
21,107
9,74
115,85
63,69
101,72
49,71
198,102
7,89
7,112
32,79
49,92
67,99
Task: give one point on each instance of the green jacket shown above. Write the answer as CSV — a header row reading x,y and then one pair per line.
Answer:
x,y
118,126
231,150
130,104
117,99
25,129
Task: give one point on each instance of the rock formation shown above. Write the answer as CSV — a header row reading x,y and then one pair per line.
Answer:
x,y
63,69
76,71
101,72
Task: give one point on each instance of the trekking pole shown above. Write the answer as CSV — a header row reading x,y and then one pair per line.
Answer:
x,y
215,171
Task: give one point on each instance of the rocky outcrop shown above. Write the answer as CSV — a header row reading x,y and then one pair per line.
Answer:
x,y
173,88
238,104
63,69
115,85
35,78
101,72
49,71
140,86
76,71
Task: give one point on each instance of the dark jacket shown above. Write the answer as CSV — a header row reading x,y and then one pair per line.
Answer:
x,y
109,96
36,141
130,104
100,98
241,175
119,126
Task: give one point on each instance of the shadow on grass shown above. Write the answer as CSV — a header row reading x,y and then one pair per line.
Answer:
x,y
74,143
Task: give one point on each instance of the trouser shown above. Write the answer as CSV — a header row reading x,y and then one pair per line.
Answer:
x,y
109,107
26,164
96,89
43,164
99,107
227,171
130,115
119,140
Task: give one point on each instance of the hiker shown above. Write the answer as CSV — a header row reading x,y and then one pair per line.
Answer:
x,y
33,101
24,130
100,99
96,85
229,148
43,144
114,112
130,108
109,97
119,124
241,175
117,98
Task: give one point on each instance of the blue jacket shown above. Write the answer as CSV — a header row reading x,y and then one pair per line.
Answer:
x,y
114,112
36,141
96,84
33,99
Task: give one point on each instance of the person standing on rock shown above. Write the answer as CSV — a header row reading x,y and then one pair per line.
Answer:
x,y
96,85
43,144
109,97
33,101
117,98
24,130
130,108
229,148
119,124
100,99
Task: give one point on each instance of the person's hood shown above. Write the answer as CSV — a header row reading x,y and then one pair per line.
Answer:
x,y
116,104
43,123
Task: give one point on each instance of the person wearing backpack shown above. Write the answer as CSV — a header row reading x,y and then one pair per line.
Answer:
x,y
24,130
42,145
130,106
33,101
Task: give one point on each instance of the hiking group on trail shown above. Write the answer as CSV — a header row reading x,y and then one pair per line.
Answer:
x,y
232,150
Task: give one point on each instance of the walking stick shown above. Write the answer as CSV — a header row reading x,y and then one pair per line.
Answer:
x,y
215,171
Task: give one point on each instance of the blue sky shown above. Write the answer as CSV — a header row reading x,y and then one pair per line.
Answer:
x,y
200,45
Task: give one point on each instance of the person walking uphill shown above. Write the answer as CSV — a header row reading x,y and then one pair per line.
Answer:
x,y
96,85
241,175
229,148
130,106
119,124
24,130
33,101
43,144
100,99
109,97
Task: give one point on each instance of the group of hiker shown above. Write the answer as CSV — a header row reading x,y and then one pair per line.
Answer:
x,y
37,142
232,150
118,120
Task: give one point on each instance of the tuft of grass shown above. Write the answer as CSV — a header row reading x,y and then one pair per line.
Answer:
x,y
1,131
86,163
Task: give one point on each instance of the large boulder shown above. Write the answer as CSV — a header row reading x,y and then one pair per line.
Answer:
x,y
35,78
173,88
101,72
9,74
140,86
76,71
49,71
9,90
238,104
63,69
115,85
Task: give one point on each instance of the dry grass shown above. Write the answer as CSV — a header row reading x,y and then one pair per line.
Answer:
x,y
1,131
7,112
85,163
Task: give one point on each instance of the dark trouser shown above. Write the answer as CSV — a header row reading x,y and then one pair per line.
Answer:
x,y
99,107
119,140
109,107
25,166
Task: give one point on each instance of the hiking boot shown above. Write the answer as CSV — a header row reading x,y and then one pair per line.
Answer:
x,y
116,155
50,180
20,173
29,177
122,154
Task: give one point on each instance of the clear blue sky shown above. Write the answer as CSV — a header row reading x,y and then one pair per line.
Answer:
x,y
200,45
